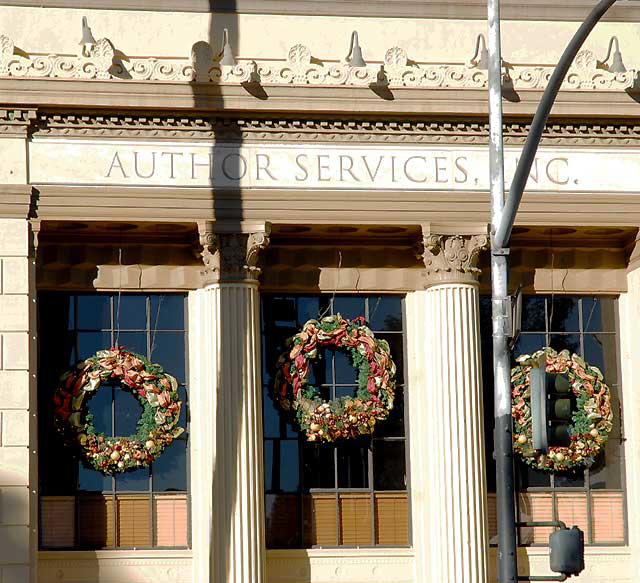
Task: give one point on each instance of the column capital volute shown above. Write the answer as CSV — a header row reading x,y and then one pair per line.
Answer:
x,y
450,254
230,253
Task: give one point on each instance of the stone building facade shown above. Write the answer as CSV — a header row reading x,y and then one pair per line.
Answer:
x,y
219,173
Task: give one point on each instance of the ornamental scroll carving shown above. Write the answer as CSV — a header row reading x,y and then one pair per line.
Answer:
x,y
231,257
300,68
452,258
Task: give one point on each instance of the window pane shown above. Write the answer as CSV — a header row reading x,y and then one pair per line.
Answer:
x,y
133,481
606,471
170,469
345,373
598,315
281,465
271,414
90,480
318,465
348,306
531,478
385,313
168,350
132,312
569,479
135,342
281,311
389,465
308,309
353,464
128,411
167,312
526,344
396,346
282,521
94,312
533,314
601,350
90,342
100,407
570,342
563,314
393,426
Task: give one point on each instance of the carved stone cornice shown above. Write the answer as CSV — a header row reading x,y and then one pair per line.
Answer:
x,y
329,130
452,258
300,68
231,257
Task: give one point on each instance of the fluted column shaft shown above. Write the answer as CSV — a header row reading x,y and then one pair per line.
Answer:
x,y
226,405
447,435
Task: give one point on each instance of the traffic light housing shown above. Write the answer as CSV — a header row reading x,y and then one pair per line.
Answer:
x,y
552,406
566,551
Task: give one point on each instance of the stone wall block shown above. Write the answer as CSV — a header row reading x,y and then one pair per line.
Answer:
x,y
15,545
15,574
15,275
14,241
14,468
14,389
14,313
15,428
14,351
14,506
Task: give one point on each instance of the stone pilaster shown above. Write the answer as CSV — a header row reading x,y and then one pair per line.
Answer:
x,y
226,404
18,462
446,415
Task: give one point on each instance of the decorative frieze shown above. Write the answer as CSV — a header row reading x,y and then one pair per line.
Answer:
x,y
100,62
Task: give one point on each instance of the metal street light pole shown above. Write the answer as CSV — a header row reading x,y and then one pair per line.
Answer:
x,y
503,215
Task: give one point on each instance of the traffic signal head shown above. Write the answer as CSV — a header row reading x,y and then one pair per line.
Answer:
x,y
566,551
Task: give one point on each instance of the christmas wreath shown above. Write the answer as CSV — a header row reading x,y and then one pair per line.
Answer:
x,y
156,390
592,420
344,416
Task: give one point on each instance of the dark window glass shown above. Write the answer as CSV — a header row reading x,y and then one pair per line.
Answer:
x,y
324,494
117,511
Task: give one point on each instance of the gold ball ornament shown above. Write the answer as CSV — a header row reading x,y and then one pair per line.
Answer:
x,y
314,426
560,457
115,455
149,444
594,432
522,439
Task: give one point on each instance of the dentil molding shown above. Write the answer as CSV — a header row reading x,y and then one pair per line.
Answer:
x,y
99,62
313,129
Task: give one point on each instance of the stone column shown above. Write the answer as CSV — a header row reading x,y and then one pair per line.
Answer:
x,y
446,415
226,406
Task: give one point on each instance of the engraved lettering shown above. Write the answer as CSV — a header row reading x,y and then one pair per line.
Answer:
x,y
534,175
299,159
344,168
208,164
464,175
440,168
375,173
171,157
393,169
153,165
322,167
259,166
553,170
116,163
406,169
241,166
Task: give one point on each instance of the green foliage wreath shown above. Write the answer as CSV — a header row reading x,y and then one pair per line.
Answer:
x,y
592,421
156,390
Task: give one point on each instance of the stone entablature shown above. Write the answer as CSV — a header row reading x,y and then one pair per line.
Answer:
x,y
101,62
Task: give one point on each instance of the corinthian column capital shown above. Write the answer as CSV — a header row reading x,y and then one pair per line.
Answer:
x,y
231,257
451,258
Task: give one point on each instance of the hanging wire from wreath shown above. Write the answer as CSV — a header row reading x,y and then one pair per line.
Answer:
x,y
592,421
156,391
343,417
